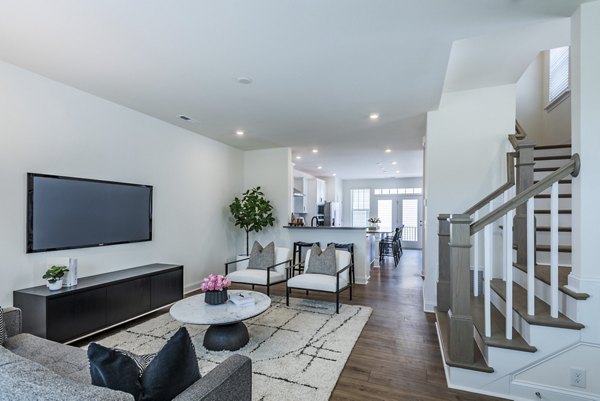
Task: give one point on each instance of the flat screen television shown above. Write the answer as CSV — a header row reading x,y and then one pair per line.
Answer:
x,y
69,212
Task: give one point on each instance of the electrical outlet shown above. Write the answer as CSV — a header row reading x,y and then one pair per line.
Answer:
x,y
578,377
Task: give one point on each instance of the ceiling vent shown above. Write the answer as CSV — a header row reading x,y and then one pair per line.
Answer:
x,y
188,119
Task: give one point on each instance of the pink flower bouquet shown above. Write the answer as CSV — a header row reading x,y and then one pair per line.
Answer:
x,y
215,282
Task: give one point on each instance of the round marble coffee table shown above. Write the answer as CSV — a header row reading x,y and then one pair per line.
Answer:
x,y
227,330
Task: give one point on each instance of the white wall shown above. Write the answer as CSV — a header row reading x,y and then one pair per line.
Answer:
x,y
271,169
543,127
47,127
464,160
348,185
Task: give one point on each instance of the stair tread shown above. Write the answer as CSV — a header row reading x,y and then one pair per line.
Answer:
x,y
547,228
543,147
547,196
542,272
547,211
497,338
556,157
565,181
542,310
546,248
479,363
543,169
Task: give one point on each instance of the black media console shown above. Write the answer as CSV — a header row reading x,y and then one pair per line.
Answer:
x,y
98,302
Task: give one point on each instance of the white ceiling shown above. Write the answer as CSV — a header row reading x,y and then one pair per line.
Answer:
x,y
318,67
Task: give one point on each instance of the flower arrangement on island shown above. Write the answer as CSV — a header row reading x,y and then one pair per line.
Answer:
x,y
215,282
374,220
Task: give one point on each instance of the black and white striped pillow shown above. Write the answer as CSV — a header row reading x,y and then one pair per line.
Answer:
x,y
141,361
2,328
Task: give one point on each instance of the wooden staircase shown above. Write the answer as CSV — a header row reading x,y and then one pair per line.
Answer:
x,y
498,355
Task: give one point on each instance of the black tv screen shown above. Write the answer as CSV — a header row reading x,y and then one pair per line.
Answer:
x,y
68,212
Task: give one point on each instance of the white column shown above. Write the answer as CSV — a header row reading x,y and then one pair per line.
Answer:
x,y
585,98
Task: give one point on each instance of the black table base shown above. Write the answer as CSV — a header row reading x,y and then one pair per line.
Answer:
x,y
230,337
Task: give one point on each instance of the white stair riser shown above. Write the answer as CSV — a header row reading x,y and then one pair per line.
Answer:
x,y
551,163
552,152
544,203
545,339
543,258
564,220
566,304
562,189
543,238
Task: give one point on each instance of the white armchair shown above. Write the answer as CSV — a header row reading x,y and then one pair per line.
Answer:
x,y
324,282
274,274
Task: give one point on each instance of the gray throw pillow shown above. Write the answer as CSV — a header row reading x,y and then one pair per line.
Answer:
x,y
2,329
322,262
261,258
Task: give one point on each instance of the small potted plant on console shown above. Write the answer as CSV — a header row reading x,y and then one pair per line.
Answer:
x,y
54,276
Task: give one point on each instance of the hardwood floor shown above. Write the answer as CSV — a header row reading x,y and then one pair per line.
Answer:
x,y
397,356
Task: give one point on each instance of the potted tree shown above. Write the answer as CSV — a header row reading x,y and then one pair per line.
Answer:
x,y
252,212
55,275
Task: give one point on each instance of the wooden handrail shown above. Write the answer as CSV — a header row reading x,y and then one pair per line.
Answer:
x,y
571,168
510,181
519,135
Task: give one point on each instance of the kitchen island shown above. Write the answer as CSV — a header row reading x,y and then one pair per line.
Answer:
x,y
364,245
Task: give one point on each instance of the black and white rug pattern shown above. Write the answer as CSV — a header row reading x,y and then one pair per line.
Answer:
x,y
297,352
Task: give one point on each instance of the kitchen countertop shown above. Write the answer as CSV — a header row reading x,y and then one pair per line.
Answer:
x,y
326,228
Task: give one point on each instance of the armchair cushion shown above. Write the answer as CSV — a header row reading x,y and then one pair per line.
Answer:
x,y
255,276
317,282
321,262
261,258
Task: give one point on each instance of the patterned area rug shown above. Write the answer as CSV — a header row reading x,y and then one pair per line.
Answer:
x,y
297,352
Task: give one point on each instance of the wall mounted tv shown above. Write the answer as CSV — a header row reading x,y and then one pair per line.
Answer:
x,y
68,212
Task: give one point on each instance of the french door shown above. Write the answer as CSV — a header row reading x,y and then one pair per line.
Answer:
x,y
403,209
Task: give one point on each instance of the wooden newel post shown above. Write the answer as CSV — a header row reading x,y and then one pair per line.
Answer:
x,y
524,178
460,344
443,284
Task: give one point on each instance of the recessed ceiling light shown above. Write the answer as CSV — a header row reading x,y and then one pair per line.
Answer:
x,y
397,171
244,80
298,157
239,132
334,174
320,167
374,116
394,163
388,150
315,150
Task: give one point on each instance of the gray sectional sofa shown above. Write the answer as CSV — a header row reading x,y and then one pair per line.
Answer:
x,y
33,368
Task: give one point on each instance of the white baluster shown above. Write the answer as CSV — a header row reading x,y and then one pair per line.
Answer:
x,y
508,257
476,259
487,270
530,258
554,250
505,244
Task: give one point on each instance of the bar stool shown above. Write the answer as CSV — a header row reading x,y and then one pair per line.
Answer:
x,y
349,248
299,254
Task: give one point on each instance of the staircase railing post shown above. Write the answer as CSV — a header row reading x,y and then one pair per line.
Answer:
x,y
443,284
524,178
460,344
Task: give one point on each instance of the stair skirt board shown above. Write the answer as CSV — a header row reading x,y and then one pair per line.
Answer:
x,y
541,337
567,305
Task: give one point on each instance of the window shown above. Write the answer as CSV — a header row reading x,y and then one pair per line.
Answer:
x,y
384,212
558,74
398,191
360,206
410,219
